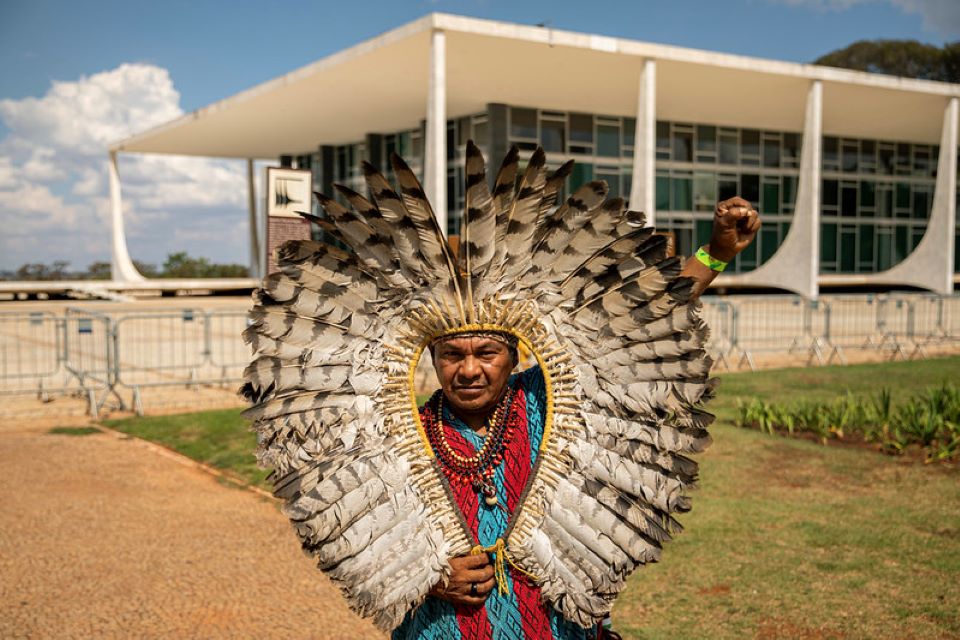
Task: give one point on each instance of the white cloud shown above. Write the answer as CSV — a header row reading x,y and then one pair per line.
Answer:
x,y
939,16
53,176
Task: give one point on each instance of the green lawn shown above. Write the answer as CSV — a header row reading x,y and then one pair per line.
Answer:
x,y
222,439
787,538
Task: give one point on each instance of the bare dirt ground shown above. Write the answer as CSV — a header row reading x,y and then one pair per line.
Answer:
x,y
110,537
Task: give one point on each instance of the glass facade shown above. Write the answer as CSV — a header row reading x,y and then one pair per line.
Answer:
x,y
876,198
699,164
876,195
602,146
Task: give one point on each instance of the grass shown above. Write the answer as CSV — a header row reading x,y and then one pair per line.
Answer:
x,y
791,539
221,439
787,538
74,431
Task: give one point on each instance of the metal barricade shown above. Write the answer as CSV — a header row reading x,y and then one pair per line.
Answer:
x,y
225,343
88,355
161,348
31,353
770,324
718,314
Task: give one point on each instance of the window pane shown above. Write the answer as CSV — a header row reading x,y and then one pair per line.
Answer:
x,y
791,150
682,146
663,135
750,141
830,152
921,207
552,136
729,149
727,187
902,159
581,127
770,202
769,240
848,247
828,243
704,191
581,174
903,196
867,193
706,138
885,160
629,131
866,246
771,153
750,188
829,194
921,160
451,141
850,156
663,193
704,228
748,258
523,123
900,248
681,194
868,156
884,251
789,194
848,201
608,141
885,201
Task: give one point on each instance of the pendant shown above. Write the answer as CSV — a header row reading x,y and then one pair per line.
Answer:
x,y
489,495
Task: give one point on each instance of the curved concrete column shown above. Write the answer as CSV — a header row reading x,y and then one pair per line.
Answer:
x,y
930,266
435,149
643,185
796,264
121,266
255,250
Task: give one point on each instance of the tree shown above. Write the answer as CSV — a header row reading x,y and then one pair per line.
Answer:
x,y
98,271
181,265
146,269
40,271
907,58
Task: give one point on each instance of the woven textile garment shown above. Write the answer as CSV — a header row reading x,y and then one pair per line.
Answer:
x,y
519,613
582,283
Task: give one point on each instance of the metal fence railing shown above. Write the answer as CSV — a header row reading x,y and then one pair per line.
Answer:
x,y
109,357
31,353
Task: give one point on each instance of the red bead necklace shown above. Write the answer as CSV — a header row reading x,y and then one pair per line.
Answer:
x,y
479,468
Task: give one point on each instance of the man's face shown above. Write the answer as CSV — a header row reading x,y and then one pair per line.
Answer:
x,y
473,372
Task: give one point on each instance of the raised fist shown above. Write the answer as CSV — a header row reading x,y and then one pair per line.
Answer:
x,y
735,225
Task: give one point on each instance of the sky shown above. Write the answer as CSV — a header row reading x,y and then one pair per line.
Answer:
x,y
76,76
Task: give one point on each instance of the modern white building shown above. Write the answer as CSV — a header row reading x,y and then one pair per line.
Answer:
x,y
855,174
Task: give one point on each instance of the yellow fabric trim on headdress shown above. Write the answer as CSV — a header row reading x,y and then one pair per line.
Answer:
x,y
500,559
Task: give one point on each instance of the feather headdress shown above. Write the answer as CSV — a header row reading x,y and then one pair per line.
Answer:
x,y
337,335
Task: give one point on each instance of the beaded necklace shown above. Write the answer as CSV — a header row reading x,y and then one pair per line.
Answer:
x,y
479,468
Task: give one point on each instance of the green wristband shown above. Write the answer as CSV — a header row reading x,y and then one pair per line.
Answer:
x,y
709,261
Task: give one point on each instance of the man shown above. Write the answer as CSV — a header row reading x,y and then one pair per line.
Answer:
x,y
485,425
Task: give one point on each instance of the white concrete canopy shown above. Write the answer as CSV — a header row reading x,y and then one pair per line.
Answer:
x,y
381,85
443,67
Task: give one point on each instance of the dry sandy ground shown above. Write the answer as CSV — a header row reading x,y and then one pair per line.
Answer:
x,y
103,536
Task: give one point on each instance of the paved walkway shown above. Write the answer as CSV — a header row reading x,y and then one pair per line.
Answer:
x,y
103,536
